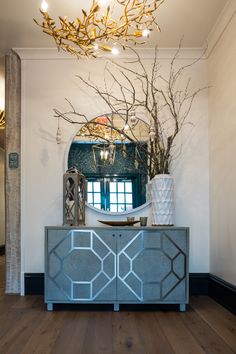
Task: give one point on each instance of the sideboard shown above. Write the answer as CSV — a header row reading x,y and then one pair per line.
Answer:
x,y
146,265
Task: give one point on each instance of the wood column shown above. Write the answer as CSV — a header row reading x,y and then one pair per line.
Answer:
x,y
12,172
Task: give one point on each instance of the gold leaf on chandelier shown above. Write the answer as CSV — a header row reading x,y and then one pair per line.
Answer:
x,y
93,33
138,33
106,48
96,8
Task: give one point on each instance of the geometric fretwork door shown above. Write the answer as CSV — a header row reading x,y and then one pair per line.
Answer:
x,y
81,267
152,266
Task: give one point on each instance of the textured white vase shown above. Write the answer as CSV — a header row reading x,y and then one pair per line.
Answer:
x,y
162,200
149,191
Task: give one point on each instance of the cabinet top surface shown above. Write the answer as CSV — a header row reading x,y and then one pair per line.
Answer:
x,y
67,227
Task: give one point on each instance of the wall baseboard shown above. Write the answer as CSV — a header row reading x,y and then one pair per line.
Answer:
x,y
34,283
201,284
2,250
198,283
223,292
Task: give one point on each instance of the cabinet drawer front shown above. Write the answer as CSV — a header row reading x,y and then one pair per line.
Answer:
x,y
80,266
152,266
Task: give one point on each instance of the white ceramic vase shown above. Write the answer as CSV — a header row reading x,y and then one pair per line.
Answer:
x,y
163,200
149,191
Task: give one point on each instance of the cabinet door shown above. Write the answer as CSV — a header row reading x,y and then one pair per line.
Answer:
x,y
152,266
80,266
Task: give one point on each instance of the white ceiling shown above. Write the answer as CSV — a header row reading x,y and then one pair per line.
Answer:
x,y
192,19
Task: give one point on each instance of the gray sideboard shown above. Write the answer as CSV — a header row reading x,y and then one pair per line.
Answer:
x,y
116,265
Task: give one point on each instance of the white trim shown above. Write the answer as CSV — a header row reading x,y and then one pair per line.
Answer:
x,y
221,24
22,280
145,53
23,177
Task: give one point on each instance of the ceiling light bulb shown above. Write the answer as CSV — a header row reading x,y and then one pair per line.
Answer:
x,y
44,6
114,51
145,32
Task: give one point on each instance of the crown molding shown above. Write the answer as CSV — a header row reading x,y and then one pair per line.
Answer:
x,y
220,26
145,53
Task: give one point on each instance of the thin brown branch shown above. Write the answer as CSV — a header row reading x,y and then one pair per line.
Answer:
x,y
131,86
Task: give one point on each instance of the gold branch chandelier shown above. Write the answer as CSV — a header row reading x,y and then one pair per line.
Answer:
x,y
98,30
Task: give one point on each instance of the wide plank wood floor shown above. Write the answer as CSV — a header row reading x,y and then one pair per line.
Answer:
x,y
26,328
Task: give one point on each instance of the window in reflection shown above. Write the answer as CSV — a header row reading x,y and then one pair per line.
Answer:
x,y
94,194
113,194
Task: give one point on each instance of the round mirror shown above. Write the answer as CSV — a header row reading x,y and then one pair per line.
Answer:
x,y
111,151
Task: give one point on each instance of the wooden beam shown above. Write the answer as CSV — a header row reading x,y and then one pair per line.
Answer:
x,y
12,172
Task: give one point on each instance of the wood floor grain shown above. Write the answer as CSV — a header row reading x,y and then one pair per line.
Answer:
x,y
27,328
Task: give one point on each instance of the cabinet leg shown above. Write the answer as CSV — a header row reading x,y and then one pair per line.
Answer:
x,y
116,307
182,307
50,307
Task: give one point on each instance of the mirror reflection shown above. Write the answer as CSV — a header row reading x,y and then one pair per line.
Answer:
x,y
111,151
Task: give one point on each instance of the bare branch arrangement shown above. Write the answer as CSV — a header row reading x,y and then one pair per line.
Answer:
x,y
133,90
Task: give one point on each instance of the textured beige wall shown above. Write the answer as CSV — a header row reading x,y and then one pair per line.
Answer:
x,y
222,150
2,199
45,84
